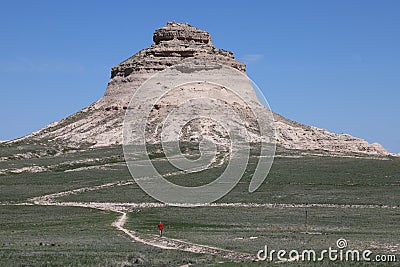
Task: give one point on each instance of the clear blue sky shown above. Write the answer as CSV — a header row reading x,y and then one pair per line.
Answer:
x,y
332,64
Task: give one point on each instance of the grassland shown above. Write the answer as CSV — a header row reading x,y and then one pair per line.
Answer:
x,y
73,236
68,236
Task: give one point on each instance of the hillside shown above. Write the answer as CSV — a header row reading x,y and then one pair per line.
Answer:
x,y
101,123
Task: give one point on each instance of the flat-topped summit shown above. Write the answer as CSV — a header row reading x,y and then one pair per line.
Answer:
x,y
101,123
173,43
175,31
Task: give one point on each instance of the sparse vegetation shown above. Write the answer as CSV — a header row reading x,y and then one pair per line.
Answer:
x,y
59,236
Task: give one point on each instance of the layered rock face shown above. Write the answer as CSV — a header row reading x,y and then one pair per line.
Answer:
x,y
101,123
172,44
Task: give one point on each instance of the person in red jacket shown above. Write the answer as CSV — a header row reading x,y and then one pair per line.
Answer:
x,y
160,227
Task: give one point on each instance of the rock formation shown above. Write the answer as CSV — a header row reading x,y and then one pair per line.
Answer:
x,y
172,44
100,124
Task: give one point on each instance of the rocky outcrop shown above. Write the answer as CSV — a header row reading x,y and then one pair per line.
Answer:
x,y
181,32
293,135
173,43
100,124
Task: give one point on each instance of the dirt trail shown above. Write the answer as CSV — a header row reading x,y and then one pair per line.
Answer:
x,y
164,242
49,200
170,243
121,208
43,200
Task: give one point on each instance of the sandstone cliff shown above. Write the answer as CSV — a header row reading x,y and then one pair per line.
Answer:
x,y
100,124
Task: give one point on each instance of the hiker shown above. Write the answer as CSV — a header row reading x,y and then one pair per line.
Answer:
x,y
160,227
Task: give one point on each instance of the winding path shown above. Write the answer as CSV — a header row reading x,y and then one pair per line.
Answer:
x,y
147,239
165,242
